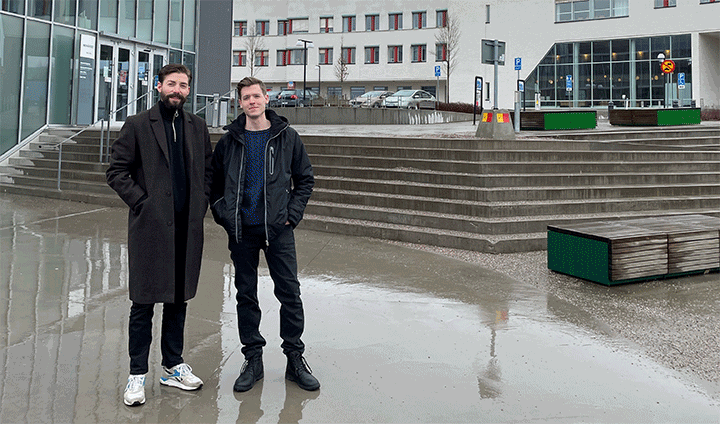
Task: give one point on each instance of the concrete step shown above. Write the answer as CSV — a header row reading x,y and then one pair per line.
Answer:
x,y
516,167
66,173
515,180
519,209
89,187
64,194
52,164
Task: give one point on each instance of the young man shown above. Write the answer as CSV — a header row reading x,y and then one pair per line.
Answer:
x,y
161,168
262,180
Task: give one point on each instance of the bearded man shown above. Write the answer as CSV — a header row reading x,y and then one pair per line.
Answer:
x,y
160,167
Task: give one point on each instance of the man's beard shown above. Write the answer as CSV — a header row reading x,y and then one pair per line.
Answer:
x,y
170,105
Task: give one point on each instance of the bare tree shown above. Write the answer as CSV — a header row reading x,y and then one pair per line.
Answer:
x,y
254,43
341,66
449,37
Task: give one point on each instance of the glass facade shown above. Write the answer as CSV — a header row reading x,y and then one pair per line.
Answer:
x,y
615,70
71,62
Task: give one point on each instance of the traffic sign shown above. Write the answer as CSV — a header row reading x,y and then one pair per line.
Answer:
x,y
437,70
681,80
568,83
667,66
518,63
521,86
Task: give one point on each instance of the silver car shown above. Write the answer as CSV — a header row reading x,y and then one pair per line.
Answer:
x,y
370,99
411,99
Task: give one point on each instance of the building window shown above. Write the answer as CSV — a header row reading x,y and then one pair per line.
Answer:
x,y
325,56
348,54
239,58
440,52
419,20
297,57
441,18
665,3
239,28
299,25
262,27
334,92
326,25
580,10
283,57
262,58
372,22
395,54
372,54
284,26
395,21
349,23
418,52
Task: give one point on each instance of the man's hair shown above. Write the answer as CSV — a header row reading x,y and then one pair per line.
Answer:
x,y
172,68
247,82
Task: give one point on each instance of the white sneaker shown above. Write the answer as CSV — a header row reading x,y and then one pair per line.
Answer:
x,y
181,376
135,390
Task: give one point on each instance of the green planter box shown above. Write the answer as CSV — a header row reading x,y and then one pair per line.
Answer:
x,y
558,119
653,117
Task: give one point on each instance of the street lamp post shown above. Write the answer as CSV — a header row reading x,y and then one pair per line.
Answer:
x,y
318,68
304,44
661,59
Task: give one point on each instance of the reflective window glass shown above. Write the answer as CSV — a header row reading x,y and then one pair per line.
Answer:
x,y
37,56
108,16
61,80
681,46
601,51
160,32
65,11
126,16
14,6
175,29
11,47
87,14
144,17
620,50
660,45
189,24
40,8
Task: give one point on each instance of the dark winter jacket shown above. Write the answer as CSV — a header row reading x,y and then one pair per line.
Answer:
x,y
288,177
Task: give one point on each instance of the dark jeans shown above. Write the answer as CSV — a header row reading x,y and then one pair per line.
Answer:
x,y
140,337
282,263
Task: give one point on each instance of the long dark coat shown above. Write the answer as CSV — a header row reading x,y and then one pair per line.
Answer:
x,y
139,167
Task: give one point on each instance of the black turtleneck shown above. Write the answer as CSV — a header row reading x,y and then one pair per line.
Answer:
x,y
176,150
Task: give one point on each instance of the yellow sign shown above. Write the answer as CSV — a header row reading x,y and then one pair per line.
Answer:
x,y
667,66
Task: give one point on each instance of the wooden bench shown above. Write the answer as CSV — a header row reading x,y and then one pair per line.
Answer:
x,y
618,252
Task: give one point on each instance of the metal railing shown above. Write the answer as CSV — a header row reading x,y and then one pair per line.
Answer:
x,y
218,115
102,120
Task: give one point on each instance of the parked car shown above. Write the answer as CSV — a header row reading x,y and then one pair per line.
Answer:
x,y
295,98
274,101
411,99
370,99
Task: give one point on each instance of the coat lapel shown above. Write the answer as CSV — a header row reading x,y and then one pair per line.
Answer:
x,y
158,128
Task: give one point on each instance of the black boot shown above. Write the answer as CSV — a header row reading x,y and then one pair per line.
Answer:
x,y
251,372
299,371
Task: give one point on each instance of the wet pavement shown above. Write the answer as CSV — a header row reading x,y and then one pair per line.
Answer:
x,y
393,333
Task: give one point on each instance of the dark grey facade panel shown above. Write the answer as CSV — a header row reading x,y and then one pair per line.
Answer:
x,y
214,52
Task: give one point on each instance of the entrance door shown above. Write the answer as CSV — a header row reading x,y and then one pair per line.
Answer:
x,y
116,86
149,64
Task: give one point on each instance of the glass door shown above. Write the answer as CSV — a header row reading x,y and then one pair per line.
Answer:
x,y
159,60
116,85
144,85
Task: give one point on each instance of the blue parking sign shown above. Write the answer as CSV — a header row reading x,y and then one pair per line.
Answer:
x,y
518,63
568,83
681,80
437,70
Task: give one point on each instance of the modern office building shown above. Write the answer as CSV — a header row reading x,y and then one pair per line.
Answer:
x,y
611,49
71,62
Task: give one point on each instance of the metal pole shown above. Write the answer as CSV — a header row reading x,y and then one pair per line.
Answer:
x,y
496,48
304,69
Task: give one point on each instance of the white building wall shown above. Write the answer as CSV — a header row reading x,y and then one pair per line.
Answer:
x,y
527,26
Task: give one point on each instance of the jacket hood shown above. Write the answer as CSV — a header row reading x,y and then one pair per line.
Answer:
x,y
237,127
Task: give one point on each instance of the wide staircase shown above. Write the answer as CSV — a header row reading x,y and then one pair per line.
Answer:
x,y
481,195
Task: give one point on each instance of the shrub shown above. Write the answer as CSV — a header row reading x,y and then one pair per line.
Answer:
x,y
456,107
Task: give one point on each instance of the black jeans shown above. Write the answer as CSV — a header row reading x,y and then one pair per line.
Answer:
x,y
282,263
140,335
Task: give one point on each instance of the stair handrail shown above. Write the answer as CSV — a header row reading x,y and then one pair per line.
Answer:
x,y
214,99
60,144
103,150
